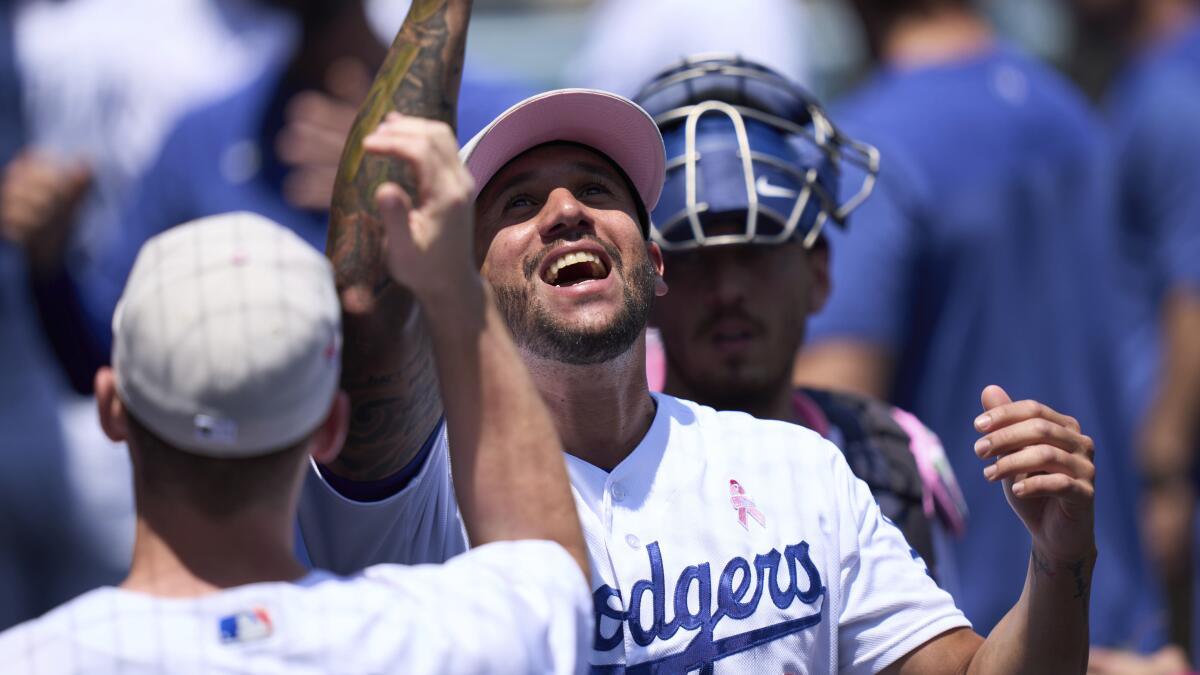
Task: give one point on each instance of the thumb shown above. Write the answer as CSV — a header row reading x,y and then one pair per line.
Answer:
x,y
394,204
993,396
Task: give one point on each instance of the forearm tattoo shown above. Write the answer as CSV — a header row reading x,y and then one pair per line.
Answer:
x,y
387,364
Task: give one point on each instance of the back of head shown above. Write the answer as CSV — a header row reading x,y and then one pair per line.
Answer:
x,y
744,141
226,345
880,17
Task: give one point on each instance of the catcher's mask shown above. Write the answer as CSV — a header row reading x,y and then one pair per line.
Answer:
x,y
741,138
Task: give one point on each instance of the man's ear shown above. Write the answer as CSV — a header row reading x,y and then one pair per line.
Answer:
x,y
113,419
328,439
656,259
818,264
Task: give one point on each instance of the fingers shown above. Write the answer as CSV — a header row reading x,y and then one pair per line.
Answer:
x,y
37,192
1055,485
1040,459
1002,413
348,79
993,396
394,205
310,188
431,150
317,127
1033,431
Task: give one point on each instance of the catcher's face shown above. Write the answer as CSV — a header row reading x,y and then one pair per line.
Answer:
x,y
559,241
736,316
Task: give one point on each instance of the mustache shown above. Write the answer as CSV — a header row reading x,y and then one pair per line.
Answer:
x,y
727,312
531,266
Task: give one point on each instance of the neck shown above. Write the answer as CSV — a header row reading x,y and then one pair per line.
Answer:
x,y
1162,20
601,411
771,403
944,37
179,552
345,35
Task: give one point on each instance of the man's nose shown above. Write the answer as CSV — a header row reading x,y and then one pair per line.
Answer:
x,y
563,217
727,283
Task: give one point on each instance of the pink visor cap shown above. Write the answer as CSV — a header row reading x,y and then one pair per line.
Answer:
x,y
610,124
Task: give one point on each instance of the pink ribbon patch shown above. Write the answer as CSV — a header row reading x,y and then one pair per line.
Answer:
x,y
744,505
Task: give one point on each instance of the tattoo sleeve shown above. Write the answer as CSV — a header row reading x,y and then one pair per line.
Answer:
x,y
387,365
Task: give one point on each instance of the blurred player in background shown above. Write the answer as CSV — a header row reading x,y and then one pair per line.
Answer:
x,y
225,384
714,537
988,251
649,35
270,146
740,228
1154,105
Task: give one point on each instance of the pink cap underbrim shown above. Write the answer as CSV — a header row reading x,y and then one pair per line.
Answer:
x,y
611,124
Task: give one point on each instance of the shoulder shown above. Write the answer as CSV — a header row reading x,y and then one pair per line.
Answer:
x,y
736,435
74,637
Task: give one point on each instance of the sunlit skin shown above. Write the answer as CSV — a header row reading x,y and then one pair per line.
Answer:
x,y
552,200
558,198
734,319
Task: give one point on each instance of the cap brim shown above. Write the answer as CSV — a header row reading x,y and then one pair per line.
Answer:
x,y
610,124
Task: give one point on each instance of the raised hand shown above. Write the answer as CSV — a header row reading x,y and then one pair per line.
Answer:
x,y
1046,466
39,200
317,124
428,243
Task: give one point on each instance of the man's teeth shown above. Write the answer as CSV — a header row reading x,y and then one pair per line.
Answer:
x,y
572,259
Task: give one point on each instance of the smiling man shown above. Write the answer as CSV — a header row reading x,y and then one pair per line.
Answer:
x,y
717,542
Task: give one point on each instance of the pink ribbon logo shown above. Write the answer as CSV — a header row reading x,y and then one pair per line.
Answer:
x,y
744,505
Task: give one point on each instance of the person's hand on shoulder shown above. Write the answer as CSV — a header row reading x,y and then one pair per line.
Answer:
x,y
1045,464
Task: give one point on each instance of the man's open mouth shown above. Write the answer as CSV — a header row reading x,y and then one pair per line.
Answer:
x,y
575,267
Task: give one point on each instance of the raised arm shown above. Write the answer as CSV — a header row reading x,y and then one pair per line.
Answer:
x,y
510,477
388,365
1045,465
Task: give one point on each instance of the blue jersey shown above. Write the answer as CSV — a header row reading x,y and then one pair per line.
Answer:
x,y
988,255
1155,111
221,158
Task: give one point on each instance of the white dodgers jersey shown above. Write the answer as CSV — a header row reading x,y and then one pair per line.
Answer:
x,y
508,607
722,543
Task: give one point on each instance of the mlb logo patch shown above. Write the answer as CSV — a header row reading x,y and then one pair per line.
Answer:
x,y
245,626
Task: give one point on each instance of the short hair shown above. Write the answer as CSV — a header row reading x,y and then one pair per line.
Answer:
x,y
879,17
217,487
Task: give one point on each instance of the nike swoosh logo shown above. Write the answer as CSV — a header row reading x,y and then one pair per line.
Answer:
x,y
765,189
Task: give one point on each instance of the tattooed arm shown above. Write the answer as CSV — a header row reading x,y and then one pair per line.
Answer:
x,y
388,363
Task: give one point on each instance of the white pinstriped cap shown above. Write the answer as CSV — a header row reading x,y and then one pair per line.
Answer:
x,y
227,338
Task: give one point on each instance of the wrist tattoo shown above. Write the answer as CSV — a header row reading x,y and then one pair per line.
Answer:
x,y
1078,569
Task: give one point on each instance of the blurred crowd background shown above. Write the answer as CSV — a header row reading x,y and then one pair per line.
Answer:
x,y
121,118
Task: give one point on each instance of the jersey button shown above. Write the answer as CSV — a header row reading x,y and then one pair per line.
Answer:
x,y
632,541
618,492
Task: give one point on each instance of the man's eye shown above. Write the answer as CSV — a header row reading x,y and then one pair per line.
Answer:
x,y
519,202
594,190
